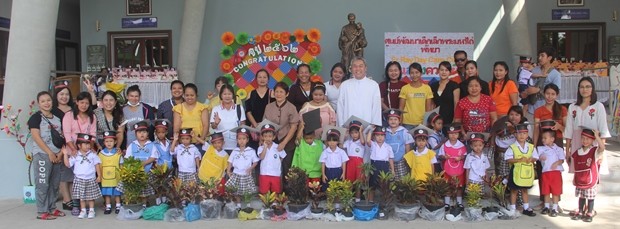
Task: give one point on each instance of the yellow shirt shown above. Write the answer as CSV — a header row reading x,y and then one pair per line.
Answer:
x,y
110,164
420,164
415,103
191,118
213,164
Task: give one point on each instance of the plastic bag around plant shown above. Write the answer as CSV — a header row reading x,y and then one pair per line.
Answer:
x,y
506,214
230,211
316,216
455,214
406,214
362,215
341,217
174,215
490,216
473,214
436,215
243,216
265,214
128,214
155,212
329,217
192,212
300,215
210,209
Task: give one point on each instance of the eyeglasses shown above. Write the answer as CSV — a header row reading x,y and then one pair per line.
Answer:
x,y
585,87
460,60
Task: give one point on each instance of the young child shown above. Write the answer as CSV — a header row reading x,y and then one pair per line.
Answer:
x,y
241,164
333,159
421,159
400,140
162,144
476,164
187,155
506,137
271,161
521,155
307,155
452,153
586,162
551,158
110,164
354,146
215,160
381,157
437,138
143,150
87,170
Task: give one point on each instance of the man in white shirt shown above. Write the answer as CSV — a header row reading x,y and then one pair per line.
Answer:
x,y
359,96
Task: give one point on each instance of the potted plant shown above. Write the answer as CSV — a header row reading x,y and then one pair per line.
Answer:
x,y
173,194
230,209
161,180
134,179
498,192
341,192
435,188
192,193
472,198
364,184
406,194
247,213
316,194
13,128
268,200
386,186
297,189
211,207
279,208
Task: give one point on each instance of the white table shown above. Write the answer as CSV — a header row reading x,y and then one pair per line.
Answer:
x,y
568,92
153,92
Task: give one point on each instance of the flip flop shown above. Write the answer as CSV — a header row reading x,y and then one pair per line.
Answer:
x,y
58,213
46,216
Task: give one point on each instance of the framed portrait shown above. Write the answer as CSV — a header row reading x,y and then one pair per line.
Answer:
x,y
570,3
139,7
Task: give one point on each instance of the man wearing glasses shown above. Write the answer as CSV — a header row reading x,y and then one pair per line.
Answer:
x,y
460,58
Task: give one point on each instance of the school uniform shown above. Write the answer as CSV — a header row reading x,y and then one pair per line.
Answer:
x,y
451,166
502,143
421,163
142,153
163,150
551,178
186,159
213,164
307,156
586,172
521,174
380,156
477,168
110,164
241,161
434,141
398,139
270,169
85,185
333,160
355,151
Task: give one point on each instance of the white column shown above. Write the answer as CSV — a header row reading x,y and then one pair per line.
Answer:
x,y
517,26
191,34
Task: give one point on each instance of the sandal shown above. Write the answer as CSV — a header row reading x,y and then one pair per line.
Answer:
x,y
46,216
58,213
67,205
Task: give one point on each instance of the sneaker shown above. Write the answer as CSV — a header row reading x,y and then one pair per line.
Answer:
x,y
117,210
447,207
529,212
82,214
576,216
75,211
544,211
553,213
91,214
107,211
587,218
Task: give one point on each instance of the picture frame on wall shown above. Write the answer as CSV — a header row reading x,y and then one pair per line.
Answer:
x,y
139,7
570,3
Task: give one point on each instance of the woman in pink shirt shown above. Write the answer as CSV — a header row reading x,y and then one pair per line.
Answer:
x,y
81,119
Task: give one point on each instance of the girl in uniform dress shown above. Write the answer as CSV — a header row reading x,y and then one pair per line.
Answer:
x,y
453,153
421,159
381,157
87,170
111,161
187,155
241,164
587,173
400,141
333,159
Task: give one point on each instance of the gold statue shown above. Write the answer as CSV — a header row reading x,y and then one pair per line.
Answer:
x,y
352,41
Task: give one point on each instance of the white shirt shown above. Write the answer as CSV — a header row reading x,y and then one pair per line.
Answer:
x,y
549,155
352,91
332,93
271,165
84,164
129,151
228,121
242,161
381,153
186,157
477,166
354,148
423,152
510,155
333,159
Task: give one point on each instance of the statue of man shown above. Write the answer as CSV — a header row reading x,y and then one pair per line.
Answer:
x,y
352,41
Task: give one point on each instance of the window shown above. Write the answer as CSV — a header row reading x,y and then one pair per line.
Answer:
x,y
152,48
574,41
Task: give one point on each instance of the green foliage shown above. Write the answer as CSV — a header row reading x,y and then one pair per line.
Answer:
x,y
386,186
435,188
134,180
474,194
161,179
406,190
364,184
211,188
315,193
498,189
342,191
268,199
297,186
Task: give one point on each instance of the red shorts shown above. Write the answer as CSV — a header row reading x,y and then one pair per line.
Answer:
x,y
310,180
551,183
460,177
354,172
269,183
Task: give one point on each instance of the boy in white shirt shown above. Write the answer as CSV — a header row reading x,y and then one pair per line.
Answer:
x,y
551,158
476,164
271,161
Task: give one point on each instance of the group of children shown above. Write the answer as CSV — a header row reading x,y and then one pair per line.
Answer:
x,y
388,149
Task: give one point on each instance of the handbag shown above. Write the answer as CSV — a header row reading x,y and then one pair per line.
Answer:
x,y
57,139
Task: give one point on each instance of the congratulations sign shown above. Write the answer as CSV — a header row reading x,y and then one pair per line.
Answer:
x,y
277,52
427,49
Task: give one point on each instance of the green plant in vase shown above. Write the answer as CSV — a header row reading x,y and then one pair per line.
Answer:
x,y
406,191
386,186
474,195
316,194
435,188
134,180
161,179
364,184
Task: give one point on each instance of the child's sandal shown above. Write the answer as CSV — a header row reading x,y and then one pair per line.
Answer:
x,y
58,213
46,216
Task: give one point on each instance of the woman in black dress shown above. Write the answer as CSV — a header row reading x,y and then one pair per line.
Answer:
x,y
446,93
257,101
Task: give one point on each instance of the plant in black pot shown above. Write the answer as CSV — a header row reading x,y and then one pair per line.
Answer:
x,y
364,184
498,192
297,189
346,196
386,186
279,204
316,194
211,206
161,181
134,179
247,213
406,194
268,200
435,188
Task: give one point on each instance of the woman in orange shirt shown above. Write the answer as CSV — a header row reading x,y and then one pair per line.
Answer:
x,y
503,90
552,110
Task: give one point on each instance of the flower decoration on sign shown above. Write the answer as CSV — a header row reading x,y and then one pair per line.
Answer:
x,y
226,52
242,93
300,35
314,35
592,110
229,77
316,79
276,36
315,66
228,38
258,38
314,49
14,128
285,38
267,36
226,66
242,38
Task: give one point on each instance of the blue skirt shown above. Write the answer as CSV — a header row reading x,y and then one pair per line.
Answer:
x,y
110,191
379,166
332,174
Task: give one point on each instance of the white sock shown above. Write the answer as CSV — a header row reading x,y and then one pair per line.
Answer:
x,y
459,199
164,199
526,206
547,205
505,181
108,206
239,205
555,206
118,205
357,200
447,200
513,207
83,209
157,200
91,210
337,206
248,205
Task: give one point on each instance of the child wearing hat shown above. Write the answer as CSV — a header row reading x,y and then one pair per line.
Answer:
x,y
521,155
162,144
381,157
399,139
476,164
87,170
187,155
111,161
307,155
241,164
551,160
271,160
586,161
333,159
143,150
354,146
453,153
421,159
215,160
437,137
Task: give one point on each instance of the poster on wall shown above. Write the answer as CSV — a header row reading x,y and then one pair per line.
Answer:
x,y
139,7
428,49
277,52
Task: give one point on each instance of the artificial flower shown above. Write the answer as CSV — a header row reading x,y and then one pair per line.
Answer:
x,y
276,36
229,77
314,35
228,38
117,88
226,52
285,38
258,38
314,49
226,66
300,35
316,79
251,40
242,38
242,94
267,36
315,66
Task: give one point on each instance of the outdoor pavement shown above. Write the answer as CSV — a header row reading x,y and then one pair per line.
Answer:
x,y
14,214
